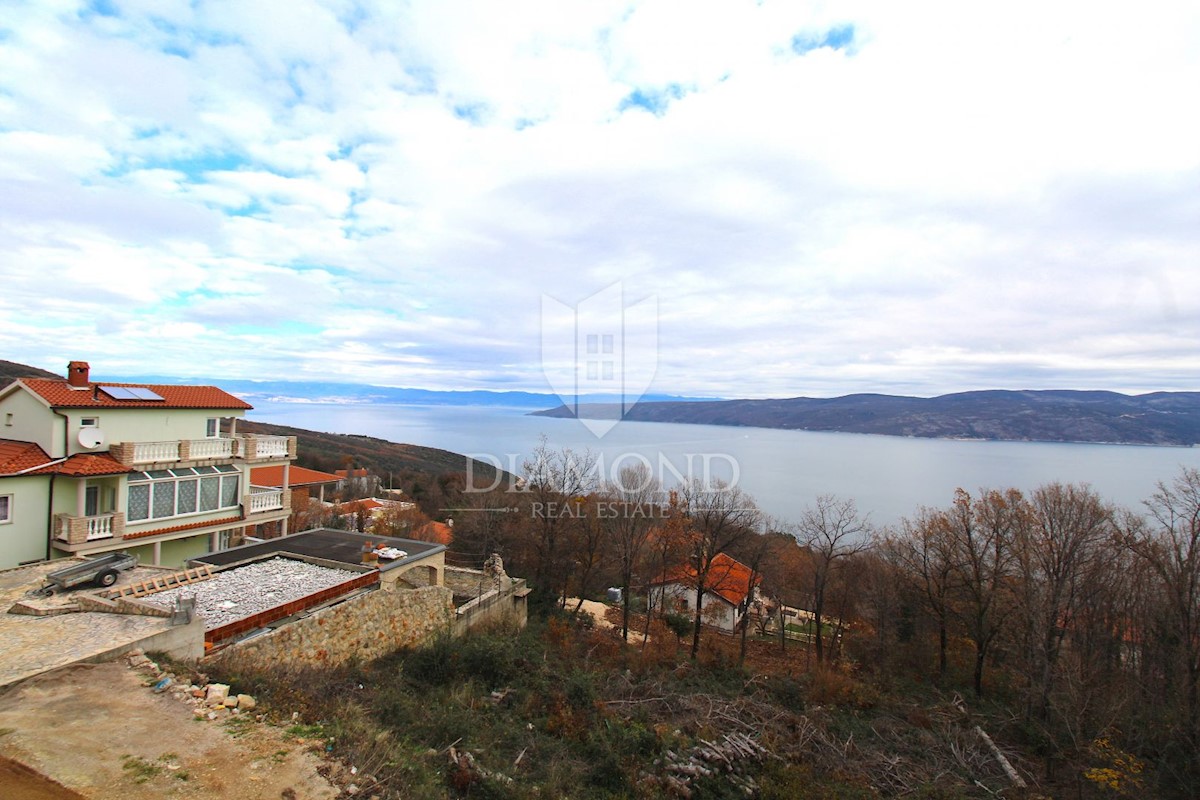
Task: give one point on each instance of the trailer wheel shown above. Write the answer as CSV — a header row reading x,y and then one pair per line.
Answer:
x,y
107,578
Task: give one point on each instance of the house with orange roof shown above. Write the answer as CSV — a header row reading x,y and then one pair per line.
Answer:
x,y
729,589
158,471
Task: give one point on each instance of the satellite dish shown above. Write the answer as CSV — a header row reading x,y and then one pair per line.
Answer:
x,y
91,438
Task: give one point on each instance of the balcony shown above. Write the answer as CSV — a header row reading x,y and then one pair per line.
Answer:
x,y
253,447
81,530
249,447
264,498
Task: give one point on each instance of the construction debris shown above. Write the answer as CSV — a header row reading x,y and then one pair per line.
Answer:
x,y
210,700
241,592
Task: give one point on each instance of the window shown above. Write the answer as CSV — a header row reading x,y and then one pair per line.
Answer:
x,y
89,422
213,428
177,492
5,508
8,419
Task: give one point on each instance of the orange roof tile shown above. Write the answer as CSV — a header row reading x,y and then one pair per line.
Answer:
x,y
177,528
434,531
59,394
728,578
367,504
86,464
297,476
20,456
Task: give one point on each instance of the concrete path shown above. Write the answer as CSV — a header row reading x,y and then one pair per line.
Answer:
x,y
32,645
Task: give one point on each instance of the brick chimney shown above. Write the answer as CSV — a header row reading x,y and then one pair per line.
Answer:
x,y
77,374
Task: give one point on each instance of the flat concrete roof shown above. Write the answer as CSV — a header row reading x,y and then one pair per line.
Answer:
x,y
240,592
344,547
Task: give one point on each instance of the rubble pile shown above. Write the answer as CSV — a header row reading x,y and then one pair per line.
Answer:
x,y
244,591
210,700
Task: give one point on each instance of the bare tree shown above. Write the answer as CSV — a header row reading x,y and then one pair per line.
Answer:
x,y
633,504
1170,545
983,532
1054,554
832,531
555,483
923,551
721,515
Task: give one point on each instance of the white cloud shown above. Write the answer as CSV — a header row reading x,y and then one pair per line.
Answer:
x,y
952,197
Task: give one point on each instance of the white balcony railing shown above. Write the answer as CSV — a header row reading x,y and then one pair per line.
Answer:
x,y
202,449
264,499
263,446
154,452
100,527
184,450
78,530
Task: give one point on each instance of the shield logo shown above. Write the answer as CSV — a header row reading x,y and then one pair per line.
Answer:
x,y
600,349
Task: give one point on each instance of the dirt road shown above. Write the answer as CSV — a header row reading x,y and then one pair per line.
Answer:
x,y
97,730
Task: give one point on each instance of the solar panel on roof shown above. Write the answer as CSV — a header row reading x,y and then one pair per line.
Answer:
x,y
145,394
131,393
119,393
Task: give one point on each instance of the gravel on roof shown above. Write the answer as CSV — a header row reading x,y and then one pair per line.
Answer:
x,y
243,591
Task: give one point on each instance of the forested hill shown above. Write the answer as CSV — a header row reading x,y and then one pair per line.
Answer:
x,y
11,370
1162,418
332,451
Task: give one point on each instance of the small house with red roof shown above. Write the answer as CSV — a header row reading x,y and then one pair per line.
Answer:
x,y
728,591
157,470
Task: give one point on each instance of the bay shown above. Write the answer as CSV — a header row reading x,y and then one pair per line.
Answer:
x,y
888,476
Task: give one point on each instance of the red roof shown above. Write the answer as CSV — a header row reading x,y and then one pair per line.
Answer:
x,y
297,476
434,531
366,504
728,578
19,456
361,472
59,394
83,465
189,526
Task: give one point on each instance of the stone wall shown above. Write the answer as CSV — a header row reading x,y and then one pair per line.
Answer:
x,y
366,627
504,606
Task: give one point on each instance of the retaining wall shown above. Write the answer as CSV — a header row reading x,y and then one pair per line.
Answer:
x,y
365,627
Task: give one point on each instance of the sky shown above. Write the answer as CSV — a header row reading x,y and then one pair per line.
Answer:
x,y
812,198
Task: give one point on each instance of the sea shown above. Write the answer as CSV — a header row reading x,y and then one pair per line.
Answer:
x,y
888,477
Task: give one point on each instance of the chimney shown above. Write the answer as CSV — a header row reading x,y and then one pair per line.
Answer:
x,y
77,374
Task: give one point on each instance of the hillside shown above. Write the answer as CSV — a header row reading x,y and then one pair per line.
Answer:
x,y
1159,418
11,370
330,451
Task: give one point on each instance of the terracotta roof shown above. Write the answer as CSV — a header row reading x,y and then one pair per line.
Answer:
x,y
85,464
59,394
438,532
297,476
728,578
20,456
190,526
367,504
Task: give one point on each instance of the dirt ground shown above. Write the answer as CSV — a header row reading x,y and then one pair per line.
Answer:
x,y
98,731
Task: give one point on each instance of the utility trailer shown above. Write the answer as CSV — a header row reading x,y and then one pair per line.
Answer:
x,y
102,571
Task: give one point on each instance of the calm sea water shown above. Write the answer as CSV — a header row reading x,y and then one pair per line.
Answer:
x,y
888,476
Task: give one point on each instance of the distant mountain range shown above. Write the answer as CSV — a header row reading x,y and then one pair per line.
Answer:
x,y
1160,418
330,392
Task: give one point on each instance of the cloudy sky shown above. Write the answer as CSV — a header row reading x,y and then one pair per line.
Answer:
x,y
820,198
